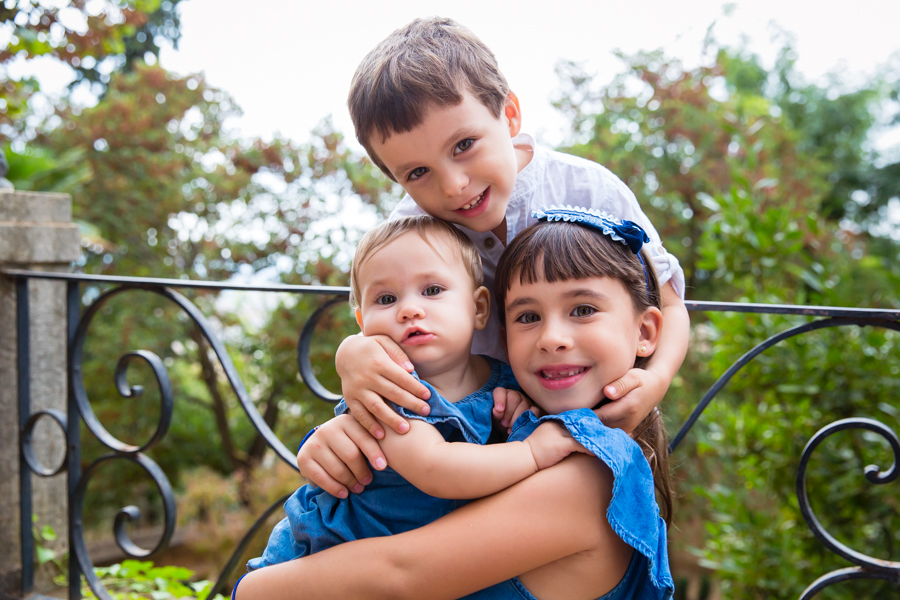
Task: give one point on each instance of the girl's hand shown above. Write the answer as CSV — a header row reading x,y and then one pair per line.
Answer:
x,y
508,405
550,443
634,396
334,457
373,369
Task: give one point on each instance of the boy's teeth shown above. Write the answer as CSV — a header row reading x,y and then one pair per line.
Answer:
x,y
475,203
561,374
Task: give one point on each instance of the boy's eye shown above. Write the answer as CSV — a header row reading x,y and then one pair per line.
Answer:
x,y
464,145
416,173
432,290
583,311
385,299
527,318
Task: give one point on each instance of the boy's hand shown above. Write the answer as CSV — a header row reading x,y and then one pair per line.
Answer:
x,y
334,457
633,397
372,369
550,443
508,405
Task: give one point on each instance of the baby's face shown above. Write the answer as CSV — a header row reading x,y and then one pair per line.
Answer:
x,y
421,296
459,164
567,340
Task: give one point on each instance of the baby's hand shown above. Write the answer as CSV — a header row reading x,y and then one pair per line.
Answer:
x,y
550,443
334,457
374,368
508,405
634,396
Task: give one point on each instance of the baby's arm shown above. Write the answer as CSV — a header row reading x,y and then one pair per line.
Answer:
x,y
639,391
374,368
461,470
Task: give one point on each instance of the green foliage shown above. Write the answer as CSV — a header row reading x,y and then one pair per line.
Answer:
x,y
133,580
746,174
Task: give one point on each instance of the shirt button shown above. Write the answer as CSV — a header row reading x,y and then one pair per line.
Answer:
x,y
489,243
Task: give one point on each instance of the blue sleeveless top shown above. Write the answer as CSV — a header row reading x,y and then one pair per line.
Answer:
x,y
633,512
316,520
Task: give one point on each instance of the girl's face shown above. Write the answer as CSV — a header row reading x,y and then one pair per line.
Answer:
x,y
568,340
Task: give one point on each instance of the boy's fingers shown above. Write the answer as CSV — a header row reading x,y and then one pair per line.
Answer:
x,y
370,448
408,383
622,386
348,453
322,479
394,352
619,415
365,418
383,413
398,395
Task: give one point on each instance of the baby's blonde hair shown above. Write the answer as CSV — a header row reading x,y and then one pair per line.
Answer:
x,y
387,232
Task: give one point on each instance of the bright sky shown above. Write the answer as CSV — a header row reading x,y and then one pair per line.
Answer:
x,y
288,64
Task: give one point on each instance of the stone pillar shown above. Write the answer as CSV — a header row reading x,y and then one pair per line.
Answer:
x,y
36,233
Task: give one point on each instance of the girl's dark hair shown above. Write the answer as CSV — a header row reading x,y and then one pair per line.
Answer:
x,y
552,251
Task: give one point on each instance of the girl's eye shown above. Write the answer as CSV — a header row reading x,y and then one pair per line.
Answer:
x,y
385,299
416,173
583,311
527,318
464,145
432,290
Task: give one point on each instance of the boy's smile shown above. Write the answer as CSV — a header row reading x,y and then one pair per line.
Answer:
x,y
459,164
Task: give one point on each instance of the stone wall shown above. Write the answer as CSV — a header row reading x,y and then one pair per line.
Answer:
x,y
36,233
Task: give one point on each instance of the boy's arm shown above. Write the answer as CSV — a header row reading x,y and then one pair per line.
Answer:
x,y
639,391
461,470
374,368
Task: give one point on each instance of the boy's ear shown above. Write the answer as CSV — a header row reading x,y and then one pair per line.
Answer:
x,y
482,299
358,314
513,114
650,328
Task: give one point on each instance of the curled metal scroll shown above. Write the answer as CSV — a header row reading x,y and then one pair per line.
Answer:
x,y
762,347
133,453
124,515
303,360
868,567
28,443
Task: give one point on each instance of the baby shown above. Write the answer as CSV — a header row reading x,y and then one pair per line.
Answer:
x,y
418,281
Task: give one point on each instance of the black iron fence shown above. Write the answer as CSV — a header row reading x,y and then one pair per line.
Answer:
x,y
80,564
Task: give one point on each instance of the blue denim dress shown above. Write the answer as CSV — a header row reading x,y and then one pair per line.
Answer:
x,y
632,513
316,520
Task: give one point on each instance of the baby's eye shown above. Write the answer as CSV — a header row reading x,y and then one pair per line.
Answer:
x,y
583,311
432,290
416,173
464,145
386,299
528,317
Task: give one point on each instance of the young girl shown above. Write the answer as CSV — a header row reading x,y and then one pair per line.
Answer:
x,y
581,307
418,281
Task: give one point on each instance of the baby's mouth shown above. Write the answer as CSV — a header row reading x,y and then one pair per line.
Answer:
x,y
555,374
475,202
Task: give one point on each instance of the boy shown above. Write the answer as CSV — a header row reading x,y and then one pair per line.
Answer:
x,y
433,111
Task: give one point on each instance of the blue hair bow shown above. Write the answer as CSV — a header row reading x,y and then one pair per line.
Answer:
x,y
628,232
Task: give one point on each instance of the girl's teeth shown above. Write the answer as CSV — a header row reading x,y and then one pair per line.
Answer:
x,y
561,374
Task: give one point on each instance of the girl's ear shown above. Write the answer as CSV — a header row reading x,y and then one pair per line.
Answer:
x,y
513,114
358,314
482,299
650,324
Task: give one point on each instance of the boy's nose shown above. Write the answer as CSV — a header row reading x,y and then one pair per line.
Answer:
x,y
454,182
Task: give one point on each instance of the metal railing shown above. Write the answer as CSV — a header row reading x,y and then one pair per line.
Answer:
x,y
80,564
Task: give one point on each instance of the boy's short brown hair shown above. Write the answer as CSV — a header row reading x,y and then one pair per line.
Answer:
x,y
389,231
428,62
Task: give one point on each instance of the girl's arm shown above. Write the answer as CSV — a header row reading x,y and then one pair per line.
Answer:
x,y
461,470
557,512
639,391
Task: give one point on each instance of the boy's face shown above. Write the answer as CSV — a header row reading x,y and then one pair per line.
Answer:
x,y
568,340
459,164
423,298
